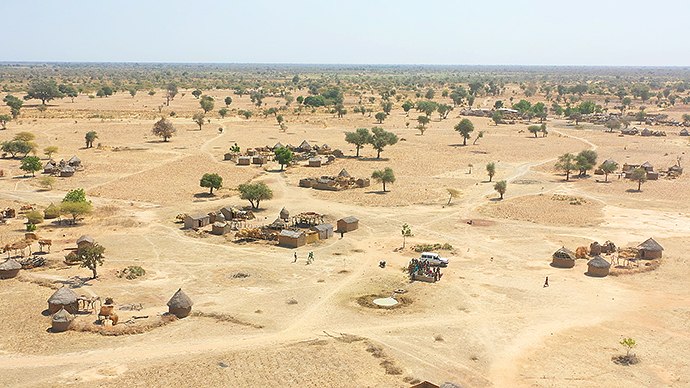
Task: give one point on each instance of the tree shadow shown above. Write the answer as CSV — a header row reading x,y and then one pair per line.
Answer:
x,y
633,191
457,145
380,192
204,195
496,199
76,281
373,159
480,152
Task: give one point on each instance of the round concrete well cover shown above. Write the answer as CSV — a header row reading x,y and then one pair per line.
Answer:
x,y
390,301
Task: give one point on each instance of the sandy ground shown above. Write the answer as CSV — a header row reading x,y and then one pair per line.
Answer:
x,y
487,323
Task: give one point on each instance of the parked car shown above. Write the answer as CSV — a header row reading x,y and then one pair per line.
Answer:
x,y
434,259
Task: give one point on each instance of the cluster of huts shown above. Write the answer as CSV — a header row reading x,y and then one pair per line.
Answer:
x,y
599,266
63,305
63,168
645,132
309,228
222,221
342,181
316,156
628,168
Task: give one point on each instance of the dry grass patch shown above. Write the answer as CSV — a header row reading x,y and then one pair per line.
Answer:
x,y
546,209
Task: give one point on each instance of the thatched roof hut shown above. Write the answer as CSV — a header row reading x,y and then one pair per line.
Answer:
x,y
598,267
284,214
9,269
61,321
594,249
650,249
63,298
180,305
563,258
304,146
343,173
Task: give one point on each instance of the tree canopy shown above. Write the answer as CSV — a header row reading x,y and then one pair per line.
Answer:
x,y
212,181
639,175
491,170
359,138
380,139
501,187
14,103
255,193
90,137
283,156
90,256
43,90
384,176
199,119
566,163
31,164
465,127
163,128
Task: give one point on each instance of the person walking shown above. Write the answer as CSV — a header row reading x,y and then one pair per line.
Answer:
x,y
546,282
294,261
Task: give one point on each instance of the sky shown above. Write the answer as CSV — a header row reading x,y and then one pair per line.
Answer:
x,y
498,32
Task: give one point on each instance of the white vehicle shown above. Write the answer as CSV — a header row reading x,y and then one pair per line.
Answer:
x,y
434,259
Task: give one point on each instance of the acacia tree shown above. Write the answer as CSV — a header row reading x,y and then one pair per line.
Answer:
x,y
380,139
479,136
639,175
501,187
497,116
381,116
90,256
535,129
164,128
491,170
206,103
423,121
49,151
465,127
452,193
90,137
608,168
4,119
14,103
612,125
212,181
585,160
198,119
384,176
255,193
170,92
359,138
566,163
75,204
43,90
196,93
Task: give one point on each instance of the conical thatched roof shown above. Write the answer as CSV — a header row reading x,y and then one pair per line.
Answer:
x,y
62,316
651,246
10,265
564,253
599,262
610,160
63,296
74,159
647,165
278,145
180,300
304,145
344,173
284,213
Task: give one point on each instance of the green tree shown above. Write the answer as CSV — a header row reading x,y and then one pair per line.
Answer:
x,y
223,112
164,128
380,116
423,121
359,138
170,92
384,176
501,187
69,91
47,182
43,90
280,119
639,175
491,170
407,106
686,118
132,92
90,137
283,156
246,113
49,151
443,110
465,127
340,110
576,116
479,136
522,106
587,107
629,344
24,136
586,160
228,101
14,103
18,147
428,107
387,106
566,163
380,139
497,117
255,193
458,95
452,193
196,93
212,181
199,119
608,168
612,125
406,232
76,209
640,116
34,217
206,103
90,256
31,164
429,95
535,129
76,195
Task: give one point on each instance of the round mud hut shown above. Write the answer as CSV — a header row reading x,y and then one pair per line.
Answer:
x,y
594,249
63,298
598,267
284,214
650,249
563,258
9,269
61,321
180,305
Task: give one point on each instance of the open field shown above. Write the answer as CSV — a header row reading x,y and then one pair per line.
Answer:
x,y
489,322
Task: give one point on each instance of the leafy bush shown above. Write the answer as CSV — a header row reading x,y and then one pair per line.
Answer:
x,y
30,227
34,217
132,272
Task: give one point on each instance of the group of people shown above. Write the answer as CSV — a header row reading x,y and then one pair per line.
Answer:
x,y
422,268
310,258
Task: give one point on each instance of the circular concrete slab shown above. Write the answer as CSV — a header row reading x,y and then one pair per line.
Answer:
x,y
385,301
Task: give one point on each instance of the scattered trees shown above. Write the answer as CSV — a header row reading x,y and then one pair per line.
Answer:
x,y
639,175
380,139
491,170
90,137
164,128
199,119
223,112
585,160
465,127
384,176
359,138
255,193
501,187
246,113
18,147
31,164
283,156
43,90
14,103
212,181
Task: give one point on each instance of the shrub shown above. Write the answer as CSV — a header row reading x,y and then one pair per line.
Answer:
x,y
132,272
51,211
34,217
30,227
